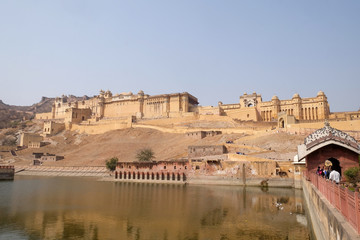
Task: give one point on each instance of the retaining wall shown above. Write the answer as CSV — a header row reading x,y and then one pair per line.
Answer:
x,y
7,172
327,221
65,171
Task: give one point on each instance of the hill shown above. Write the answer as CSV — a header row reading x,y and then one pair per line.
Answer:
x,y
94,150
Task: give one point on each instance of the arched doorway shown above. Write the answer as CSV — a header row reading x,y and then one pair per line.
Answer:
x,y
281,123
335,164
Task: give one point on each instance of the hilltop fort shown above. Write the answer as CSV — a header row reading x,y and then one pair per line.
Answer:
x,y
108,111
246,142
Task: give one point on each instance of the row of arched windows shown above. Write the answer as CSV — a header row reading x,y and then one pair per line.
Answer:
x,y
150,176
266,115
289,111
310,113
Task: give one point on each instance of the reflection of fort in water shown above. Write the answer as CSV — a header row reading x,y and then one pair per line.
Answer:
x,y
138,211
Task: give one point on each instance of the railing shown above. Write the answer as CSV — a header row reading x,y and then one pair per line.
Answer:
x,y
7,167
345,200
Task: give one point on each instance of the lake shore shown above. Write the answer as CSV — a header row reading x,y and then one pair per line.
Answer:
x,y
104,175
75,171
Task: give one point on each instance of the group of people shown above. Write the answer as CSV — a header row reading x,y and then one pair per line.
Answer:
x,y
329,173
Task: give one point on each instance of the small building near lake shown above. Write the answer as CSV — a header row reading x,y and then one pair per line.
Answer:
x,y
45,157
175,171
330,144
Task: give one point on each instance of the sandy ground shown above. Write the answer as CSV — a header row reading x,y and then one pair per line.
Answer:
x,y
93,150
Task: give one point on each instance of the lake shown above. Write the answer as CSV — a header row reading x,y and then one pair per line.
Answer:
x,y
84,208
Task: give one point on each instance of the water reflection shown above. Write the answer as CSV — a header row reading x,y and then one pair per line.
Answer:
x,y
77,208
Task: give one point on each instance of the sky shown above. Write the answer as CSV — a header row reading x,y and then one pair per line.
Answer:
x,y
215,50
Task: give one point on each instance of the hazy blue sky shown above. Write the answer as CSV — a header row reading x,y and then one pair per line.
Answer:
x,y
215,50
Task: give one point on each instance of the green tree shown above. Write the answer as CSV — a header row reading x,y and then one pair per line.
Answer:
x,y
145,155
353,174
111,163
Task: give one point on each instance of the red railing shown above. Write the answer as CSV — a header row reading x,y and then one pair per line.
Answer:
x,y
7,167
345,200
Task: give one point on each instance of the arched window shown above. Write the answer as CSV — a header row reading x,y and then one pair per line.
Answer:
x,y
184,177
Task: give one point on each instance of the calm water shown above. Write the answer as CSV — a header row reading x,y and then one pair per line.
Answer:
x,y
78,208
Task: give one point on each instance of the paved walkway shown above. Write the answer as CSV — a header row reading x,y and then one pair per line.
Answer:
x,y
63,171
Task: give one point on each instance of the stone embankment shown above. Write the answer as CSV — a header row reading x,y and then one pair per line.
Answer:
x,y
63,171
327,221
6,172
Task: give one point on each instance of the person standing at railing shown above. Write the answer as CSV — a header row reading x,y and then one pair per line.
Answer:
x,y
318,171
327,172
322,172
334,176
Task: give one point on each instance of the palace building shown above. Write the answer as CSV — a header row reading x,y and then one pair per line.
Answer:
x,y
109,106
126,107
251,107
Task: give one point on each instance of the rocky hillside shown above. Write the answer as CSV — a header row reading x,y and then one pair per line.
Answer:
x,y
11,115
80,149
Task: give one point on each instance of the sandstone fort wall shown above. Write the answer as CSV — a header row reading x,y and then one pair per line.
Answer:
x,y
106,106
